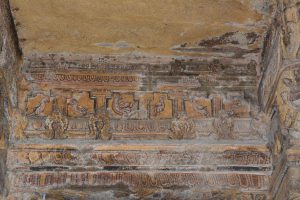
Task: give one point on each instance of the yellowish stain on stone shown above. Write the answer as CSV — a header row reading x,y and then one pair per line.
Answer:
x,y
124,26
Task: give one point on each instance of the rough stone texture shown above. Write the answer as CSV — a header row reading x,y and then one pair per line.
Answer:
x,y
150,100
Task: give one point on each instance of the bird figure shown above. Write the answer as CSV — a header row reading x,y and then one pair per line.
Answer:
x,y
120,106
40,107
199,108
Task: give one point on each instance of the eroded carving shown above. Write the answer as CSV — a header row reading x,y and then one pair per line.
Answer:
x,y
223,125
123,105
138,126
80,104
85,78
290,28
39,105
198,107
26,157
182,128
157,179
99,125
19,123
287,100
161,106
260,125
148,113
56,124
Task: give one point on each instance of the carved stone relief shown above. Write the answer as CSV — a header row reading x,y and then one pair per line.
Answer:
x,y
260,125
223,125
161,106
166,117
291,28
56,124
123,105
78,111
287,100
182,128
99,125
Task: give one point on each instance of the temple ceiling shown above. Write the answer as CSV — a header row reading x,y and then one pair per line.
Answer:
x,y
149,99
220,28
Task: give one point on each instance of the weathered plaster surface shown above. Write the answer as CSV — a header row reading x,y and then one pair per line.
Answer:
x,y
136,26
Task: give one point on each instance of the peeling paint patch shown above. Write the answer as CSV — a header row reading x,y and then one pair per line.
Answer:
x,y
231,38
104,44
231,44
116,45
123,44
